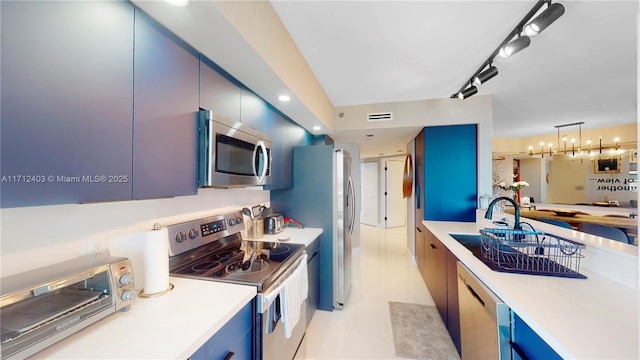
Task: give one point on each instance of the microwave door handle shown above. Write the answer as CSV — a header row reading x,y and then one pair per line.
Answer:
x,y
261,145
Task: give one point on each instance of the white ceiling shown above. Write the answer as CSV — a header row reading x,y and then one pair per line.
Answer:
x,y
581,68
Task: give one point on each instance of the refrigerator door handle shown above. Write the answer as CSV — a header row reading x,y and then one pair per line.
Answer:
x,y
353,205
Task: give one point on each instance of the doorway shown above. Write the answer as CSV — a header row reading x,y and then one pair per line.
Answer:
x,y
395,205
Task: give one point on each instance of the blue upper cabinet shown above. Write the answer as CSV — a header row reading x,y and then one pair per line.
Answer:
x,y
217,92
165,103
450,172
285,136
67,102
253,111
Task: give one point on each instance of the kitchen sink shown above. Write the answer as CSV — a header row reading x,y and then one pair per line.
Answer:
x,y
470,241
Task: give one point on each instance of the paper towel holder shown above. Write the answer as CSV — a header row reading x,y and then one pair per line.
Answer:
x,y
141,293
146,296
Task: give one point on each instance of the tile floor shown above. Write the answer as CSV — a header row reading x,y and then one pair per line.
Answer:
x,y
382,272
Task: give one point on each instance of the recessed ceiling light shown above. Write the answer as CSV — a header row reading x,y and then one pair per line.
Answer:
x,y
284,98
317,128
177,2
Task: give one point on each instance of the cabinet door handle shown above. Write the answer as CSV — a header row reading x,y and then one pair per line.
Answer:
x,y
432,246
229,355
418,229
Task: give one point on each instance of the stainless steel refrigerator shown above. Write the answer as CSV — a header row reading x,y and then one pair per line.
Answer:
x,y
322,196
343,228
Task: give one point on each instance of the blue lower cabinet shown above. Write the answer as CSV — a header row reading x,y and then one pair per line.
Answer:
x,y
232,341
528,344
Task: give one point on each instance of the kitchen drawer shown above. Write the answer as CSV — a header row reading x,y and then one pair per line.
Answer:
x,y
234,337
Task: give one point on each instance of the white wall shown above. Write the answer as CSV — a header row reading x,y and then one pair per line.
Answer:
x,y
533,171
574,182
32,237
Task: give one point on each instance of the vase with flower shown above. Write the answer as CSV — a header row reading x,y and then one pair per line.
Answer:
x,y
513,188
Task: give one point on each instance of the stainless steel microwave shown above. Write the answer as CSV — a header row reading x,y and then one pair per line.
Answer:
x,y
231,154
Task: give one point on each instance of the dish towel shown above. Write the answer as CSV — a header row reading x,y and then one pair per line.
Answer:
x,y
294,293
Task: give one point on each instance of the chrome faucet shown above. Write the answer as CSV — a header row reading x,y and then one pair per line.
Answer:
x,y
489,213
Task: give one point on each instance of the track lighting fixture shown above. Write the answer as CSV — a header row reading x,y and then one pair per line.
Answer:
x,y
542,21
471,90
516,40
513,47
485,75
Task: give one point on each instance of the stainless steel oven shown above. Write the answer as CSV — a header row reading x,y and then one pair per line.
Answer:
x,y
212,249
231,154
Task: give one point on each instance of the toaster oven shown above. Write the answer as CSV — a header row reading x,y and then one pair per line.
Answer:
x,y
43,306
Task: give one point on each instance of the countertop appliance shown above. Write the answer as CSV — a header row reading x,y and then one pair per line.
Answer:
x,y
43,306
323,196
273,224
485,325
231,154
212,249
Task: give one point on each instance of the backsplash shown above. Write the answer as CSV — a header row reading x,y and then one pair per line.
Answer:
x,y
32,237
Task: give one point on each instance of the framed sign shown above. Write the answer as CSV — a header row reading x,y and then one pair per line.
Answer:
x,y
610,165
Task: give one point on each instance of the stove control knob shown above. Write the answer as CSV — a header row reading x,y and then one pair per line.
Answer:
x,y
126,279
232,222
193,233
239,220
128,295
181,236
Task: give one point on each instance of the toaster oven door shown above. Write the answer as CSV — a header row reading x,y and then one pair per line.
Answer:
x,y
47,316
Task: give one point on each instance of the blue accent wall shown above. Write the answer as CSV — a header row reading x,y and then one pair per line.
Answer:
x,y
450,172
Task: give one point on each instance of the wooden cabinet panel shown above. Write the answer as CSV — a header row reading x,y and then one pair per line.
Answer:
x,y
436,273
166,101
217,93
420,250
67,102
453,315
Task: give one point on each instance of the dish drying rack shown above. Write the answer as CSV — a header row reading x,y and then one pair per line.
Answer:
x,y
531,252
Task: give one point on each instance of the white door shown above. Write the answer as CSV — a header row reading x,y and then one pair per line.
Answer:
x,y
395,204
369,194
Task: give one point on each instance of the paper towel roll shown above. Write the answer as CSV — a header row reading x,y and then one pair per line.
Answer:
x,y
156,262
149,255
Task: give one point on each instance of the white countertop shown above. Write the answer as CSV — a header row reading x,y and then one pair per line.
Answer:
x,y
171,326
303,236
593,318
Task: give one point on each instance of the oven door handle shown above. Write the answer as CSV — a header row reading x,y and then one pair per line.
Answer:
x,y
265,298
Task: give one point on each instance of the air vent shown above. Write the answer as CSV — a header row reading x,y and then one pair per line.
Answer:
x,y
383,116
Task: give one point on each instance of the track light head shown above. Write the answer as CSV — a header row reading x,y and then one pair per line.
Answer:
x,y
515,46
485,75
471,90
546,18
